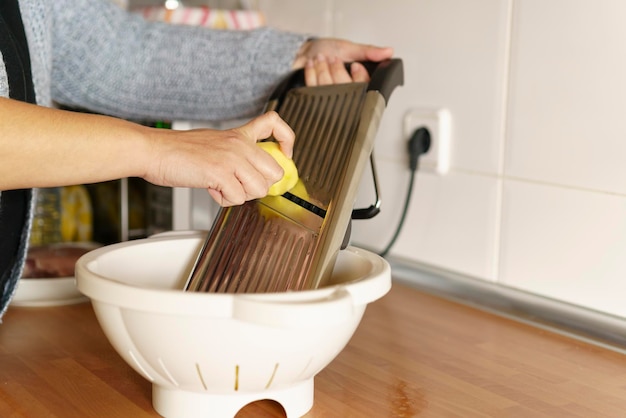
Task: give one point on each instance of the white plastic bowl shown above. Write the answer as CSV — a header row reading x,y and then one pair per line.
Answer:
x,y
211,354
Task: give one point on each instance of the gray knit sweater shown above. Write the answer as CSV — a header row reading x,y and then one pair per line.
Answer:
x,y
92,54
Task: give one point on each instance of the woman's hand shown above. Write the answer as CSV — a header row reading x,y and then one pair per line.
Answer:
x,y
324,60
228,163
44,147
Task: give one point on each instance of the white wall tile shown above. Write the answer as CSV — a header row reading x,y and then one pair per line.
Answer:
x,y
568,93
451,223
566,244
454,55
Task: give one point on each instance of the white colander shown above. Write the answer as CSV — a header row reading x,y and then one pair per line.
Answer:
x,y
208,355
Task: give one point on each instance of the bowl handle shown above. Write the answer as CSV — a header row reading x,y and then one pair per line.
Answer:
x,y
262,310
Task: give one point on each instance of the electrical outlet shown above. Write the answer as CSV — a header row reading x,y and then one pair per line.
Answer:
x,y
438,122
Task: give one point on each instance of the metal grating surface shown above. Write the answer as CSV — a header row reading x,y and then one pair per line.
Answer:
x,y
325,121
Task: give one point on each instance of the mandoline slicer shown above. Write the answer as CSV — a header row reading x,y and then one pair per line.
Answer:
x,y
290,242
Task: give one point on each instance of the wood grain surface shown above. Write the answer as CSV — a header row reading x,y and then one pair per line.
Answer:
x,y
414,355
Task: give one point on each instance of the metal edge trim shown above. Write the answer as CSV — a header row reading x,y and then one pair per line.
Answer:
x,y
594,327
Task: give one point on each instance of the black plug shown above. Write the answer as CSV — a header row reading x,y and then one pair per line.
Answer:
x,y
419,144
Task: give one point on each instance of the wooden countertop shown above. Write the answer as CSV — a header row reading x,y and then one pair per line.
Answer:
x,y
413,355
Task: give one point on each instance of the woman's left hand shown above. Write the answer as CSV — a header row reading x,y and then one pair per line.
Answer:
x,y
324,60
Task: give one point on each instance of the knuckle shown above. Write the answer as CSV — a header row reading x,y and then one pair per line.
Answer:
x,y
273,116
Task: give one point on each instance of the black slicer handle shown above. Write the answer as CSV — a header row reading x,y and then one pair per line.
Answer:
x,y
385,76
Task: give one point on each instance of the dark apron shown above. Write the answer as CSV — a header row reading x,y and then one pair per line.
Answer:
x,y
13,203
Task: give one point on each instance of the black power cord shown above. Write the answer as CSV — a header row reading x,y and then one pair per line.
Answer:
x,y
419,144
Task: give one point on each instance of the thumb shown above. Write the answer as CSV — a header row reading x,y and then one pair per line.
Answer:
x,y
363,52
378,54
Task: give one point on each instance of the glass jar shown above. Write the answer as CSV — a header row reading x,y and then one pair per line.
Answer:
x,y
46,228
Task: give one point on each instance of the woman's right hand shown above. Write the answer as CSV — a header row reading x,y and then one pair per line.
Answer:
x,y
226,163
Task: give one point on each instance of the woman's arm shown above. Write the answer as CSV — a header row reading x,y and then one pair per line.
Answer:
x,y
114,62
42,147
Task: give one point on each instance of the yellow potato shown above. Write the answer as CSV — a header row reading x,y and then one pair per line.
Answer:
x,y
290,177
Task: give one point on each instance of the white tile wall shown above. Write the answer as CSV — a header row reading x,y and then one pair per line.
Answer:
x,y
451,222
566,244
568,93
536,196
454,56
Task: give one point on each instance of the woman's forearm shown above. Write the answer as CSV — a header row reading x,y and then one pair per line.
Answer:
x,y
43,147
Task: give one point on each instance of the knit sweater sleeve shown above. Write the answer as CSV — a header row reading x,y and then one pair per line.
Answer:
x,y
109,61
4,82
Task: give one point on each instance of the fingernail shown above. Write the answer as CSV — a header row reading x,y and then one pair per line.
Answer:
x,y
309,63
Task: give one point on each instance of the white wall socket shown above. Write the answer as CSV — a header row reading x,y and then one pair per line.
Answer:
x,y
439,123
